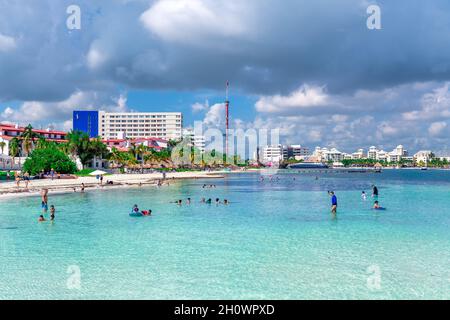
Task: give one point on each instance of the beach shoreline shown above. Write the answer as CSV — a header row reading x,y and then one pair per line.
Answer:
x,y
63,186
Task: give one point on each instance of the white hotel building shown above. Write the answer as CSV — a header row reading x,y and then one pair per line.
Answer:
x,y
163,125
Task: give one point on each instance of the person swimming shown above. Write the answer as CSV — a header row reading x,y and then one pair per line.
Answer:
x,y
135,209
209,201
147,213
364,196
188,201
225,202
203,200
52,212
217,201
376,206
41,218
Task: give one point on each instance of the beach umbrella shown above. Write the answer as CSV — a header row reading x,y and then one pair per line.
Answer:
x,y
98,173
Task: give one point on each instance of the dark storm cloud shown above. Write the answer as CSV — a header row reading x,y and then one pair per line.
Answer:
x,y
264,46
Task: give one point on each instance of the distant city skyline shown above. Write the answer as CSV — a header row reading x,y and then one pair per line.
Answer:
x,y
313,69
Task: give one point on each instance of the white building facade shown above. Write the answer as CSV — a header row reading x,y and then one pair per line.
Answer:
x,y
163,125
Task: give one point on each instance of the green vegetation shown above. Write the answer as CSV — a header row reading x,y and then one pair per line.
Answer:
x,y
84,172
80,145
45,159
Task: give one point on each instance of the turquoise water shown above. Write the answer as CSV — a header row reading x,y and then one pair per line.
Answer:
x,y
277,240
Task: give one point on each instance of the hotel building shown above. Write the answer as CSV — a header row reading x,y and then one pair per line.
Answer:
x,y
9,132
131,125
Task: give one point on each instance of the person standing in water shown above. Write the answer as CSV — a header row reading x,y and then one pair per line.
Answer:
x,y
44,202
334,202
374,191
52,213
364,196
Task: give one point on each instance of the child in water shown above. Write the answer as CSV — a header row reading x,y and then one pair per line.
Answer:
x,y
52,212
376,205
364,196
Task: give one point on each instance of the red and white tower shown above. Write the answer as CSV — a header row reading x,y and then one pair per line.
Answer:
x,y
227,117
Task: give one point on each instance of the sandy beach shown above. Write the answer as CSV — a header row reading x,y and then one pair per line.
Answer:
x,y
9,189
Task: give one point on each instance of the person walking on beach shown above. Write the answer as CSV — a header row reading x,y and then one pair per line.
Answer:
x,y
16,175
26,178
52,173
334,202
8,175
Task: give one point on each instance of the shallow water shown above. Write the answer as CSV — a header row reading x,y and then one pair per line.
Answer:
x,y
276,240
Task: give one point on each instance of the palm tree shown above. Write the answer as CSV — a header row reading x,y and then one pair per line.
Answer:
x,y
14,148
141,150
133,150
2,145
116,157
28,136
42,143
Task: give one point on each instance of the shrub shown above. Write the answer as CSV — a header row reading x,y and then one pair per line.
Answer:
x,y
47,158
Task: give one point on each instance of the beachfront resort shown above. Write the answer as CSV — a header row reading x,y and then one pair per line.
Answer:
x,y
224,150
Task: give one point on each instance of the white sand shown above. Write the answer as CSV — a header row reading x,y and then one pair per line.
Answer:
x,y
10,189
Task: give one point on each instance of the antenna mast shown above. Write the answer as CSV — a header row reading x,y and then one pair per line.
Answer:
x,y
227,116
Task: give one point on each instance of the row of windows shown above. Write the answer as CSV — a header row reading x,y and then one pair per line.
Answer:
x,y
139,116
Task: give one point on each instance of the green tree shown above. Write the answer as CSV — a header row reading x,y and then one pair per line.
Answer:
x,y
2,146
14,147
80,145
45,159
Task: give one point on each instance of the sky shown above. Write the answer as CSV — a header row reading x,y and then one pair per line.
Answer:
x,y
312,69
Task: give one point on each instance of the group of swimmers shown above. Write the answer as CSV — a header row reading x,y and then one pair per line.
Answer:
x,y
44,206
211,186
375,194
204,201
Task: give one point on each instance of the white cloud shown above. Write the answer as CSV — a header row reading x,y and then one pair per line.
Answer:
x,y
193,21
95,57
199,107
60,113
436,128
215,117
7,43
304,97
